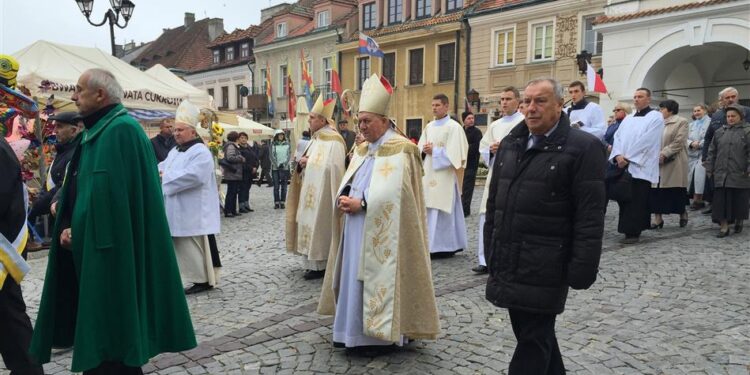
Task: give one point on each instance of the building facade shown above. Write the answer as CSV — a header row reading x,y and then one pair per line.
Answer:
x,y
513,42
682,50
424,42
305,31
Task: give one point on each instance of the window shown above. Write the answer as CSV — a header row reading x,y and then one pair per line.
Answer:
x,y
225,97
424,8
389,67
282,80
211,93
446,62
263,76
592,40
369,16
327,70
542,42
395,11
281,30
363,70
416,57
414,128
455,5
239,96
230,53
245,50
217,56
504,42
324,18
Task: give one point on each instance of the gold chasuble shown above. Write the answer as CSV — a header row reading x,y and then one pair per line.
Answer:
x,y
398,294
313,223
438,184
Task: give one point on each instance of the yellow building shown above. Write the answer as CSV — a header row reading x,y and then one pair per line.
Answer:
x,y
425,54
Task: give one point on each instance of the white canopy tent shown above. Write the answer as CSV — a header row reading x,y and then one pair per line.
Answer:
x,y
254,130
49,68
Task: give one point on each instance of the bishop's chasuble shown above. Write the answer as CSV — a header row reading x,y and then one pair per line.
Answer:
x,y
497,130
378,283
443,176
312,220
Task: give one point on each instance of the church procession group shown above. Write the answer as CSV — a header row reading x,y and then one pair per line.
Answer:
x,y
369,219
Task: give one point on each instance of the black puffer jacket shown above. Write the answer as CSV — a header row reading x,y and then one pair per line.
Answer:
x,y
545,218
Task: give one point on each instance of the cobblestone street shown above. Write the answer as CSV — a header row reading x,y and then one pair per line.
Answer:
x,y
676,303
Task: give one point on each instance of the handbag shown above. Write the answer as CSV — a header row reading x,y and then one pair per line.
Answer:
x,y
619,184
226,164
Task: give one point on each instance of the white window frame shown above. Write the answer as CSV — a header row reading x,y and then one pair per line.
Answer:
x,y
395,66
457,8
356,69
216,56
436,79
327,64
263,75
532,39
582,34
282,77
229,53
244,50
323,19
493,47
408,64
281,30
374,13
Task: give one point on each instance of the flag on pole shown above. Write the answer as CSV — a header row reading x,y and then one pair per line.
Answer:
x,y
595,82
269,95
336,84
307,83
368,46
291,98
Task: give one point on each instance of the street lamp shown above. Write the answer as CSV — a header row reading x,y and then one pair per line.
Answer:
x,y
473,97
118,7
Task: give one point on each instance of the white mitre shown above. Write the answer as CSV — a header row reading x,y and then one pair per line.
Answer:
x,y
188,114
376,95
324,108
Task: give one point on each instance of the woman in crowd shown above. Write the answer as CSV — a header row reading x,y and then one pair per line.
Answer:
x,y
249,167
280,154
232,173
621,110
696,172
729,163
669,196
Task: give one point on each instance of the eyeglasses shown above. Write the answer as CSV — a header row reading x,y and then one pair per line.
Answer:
x,y
617,110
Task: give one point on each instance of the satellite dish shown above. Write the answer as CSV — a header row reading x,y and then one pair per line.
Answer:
x,y
244,91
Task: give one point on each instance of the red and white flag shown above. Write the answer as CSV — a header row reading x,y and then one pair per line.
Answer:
x,y
595,82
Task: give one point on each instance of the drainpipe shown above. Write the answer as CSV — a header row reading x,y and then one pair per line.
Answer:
x,y
455,73
467,28
252,77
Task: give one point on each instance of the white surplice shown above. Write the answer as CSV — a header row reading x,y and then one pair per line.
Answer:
x,y
348,321
497,130
638,139
446,226
592,118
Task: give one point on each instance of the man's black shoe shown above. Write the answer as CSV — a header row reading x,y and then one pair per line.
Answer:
x,y
312,275
480,269
198,287
443,255
244,210
229,215
283,205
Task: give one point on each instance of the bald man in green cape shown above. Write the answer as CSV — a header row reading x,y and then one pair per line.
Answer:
x,y
113,289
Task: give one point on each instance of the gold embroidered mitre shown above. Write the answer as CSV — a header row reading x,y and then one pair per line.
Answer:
x,y
324,108
188,114
376,95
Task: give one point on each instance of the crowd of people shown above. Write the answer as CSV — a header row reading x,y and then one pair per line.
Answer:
x,y
365,211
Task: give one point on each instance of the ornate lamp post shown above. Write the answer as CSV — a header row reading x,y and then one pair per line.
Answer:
x,y
119,7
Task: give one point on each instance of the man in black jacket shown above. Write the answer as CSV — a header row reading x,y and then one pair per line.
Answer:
x,y
15,325
473,136
164,141
264,155
249,168
545,219
67,127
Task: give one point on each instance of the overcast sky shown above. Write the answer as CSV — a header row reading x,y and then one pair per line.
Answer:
x,y
22,22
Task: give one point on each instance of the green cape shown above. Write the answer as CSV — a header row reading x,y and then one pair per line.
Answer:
x,y
117,296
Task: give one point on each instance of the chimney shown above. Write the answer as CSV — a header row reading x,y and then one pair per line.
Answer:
x,y
215,28
189,19
271,11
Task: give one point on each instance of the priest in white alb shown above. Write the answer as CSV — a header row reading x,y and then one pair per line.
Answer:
x,y
498,129
191,200
445,148
312,221
583,114
378,282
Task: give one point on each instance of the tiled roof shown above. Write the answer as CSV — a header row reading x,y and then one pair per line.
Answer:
x,y
267,35
235,36
181,48
653,12
495,4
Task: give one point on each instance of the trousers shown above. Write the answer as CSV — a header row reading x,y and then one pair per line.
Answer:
x,y
537,352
